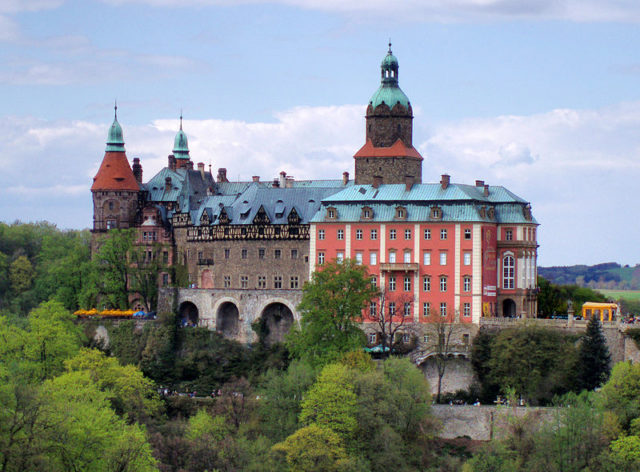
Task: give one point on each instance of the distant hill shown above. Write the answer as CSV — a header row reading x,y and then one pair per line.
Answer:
x,y
609,275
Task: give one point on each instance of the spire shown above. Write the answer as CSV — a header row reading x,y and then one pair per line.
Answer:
x,y
389,91
181,144
115,140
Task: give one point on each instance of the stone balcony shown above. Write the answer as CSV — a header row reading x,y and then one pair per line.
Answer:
x,y
399,267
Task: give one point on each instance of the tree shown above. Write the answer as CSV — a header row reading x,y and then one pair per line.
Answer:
x,y
112,268
621,393
593,358
390,325
21,274
145,274
331,306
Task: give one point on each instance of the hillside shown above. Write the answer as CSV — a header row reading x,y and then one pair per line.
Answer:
x,y
609,275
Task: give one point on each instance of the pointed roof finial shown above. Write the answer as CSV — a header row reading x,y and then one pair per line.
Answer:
x,y
115,109
180,119
389,46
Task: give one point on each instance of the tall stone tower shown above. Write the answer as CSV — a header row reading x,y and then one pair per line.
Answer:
x,y
388,154
115,189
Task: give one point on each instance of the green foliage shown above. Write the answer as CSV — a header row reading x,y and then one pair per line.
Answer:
x,y
621,394
625,453
593,359
112,268
21,274
552,299
480,356
203,426
331,305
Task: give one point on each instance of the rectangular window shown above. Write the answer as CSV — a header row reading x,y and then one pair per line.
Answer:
x,y
407,234
407,257
200,256
443,309
262,281
426,309
374,281
508,235
320,258
465,339
165,257
407,284
340,234
426,258
466,309
293,282
427,233
425,339
373,337
466,284
320,234
467,234
294,254
227,253
374,234
244,281
443,258
392,234
340,256
227,281
277,254
508,272
392,257
244,253
373,258
392,283
466,258
392,308
359,258
358,234
406,337
407,309
373,309
261,253
426,283
443,233
165,280
443,284
277,281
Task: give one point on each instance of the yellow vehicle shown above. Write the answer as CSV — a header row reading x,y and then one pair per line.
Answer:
x,y
604,311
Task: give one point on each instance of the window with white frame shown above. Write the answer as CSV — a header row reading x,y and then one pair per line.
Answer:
x,y
443,233
320,234
373,309
227,281
392,257
508,272
407,283
467,233
407,257
373,234
373,258
407,309
426,258
320,258
427,233
392,308
443,284
426,283
358,234
373,337
262,281
374,281
244,281
425,338
392,283
277,281
466,310
392,234
340,256
426,309
508,235
443,309
466,283
407,234
443,258
340,234
359,258
294,282
466,258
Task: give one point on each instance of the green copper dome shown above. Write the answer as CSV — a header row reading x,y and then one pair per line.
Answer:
x,y
115,141
389,91
180,144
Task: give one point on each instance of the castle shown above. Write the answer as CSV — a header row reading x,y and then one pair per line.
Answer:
x,y
248,247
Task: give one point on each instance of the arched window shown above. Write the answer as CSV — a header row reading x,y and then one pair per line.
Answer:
x,y
508,272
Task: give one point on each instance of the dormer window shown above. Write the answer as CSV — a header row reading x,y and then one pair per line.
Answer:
x,y
332,213
367,213
436,213
401,213
491,213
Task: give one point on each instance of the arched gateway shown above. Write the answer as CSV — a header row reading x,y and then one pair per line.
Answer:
x,y
227,319
276,321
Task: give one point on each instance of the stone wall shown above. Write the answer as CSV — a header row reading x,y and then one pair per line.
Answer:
x,y
458,375
483,423
393,170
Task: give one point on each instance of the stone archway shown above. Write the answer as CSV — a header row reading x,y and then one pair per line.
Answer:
x,y
228,319
509,308
276,321
188,314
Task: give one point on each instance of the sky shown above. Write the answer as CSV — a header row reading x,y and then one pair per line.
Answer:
x,y
539,96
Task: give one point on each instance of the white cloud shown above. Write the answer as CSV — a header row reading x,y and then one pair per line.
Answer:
x,y
445,10
15,6
578,168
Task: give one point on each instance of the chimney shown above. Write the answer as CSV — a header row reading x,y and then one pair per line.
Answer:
x,y
377,181
256,178
172,162
189,164
289,181
444,182
345,178
137,169
201,169
276,183
283,178
486,190
408,182
167,184
222,175
479,183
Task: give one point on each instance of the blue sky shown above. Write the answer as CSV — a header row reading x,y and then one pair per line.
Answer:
x,y
541,96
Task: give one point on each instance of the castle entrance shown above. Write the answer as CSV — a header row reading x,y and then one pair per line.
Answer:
x,y
509,308
276,321
227,319
188,314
